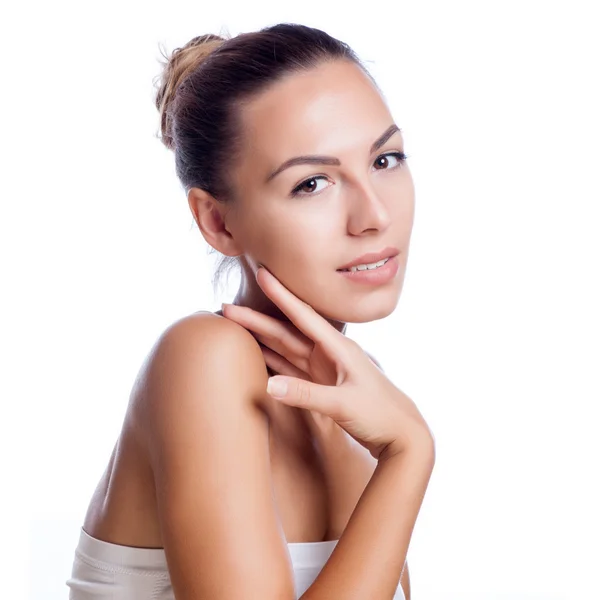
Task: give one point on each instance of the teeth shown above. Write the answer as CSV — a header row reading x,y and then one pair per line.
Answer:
x,y
368,266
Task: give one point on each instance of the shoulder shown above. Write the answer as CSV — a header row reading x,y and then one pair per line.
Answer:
x,y
202,330
202,340
207,444
199,358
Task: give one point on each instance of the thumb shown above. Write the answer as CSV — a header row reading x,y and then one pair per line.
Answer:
x,y
303,394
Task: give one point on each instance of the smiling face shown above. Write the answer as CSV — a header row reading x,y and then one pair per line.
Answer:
x,y
306,221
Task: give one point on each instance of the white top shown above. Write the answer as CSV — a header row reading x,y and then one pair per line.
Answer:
x,y
105,571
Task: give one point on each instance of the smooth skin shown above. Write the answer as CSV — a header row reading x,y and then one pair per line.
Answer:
x,y
207,465
363,205
338,383
329,377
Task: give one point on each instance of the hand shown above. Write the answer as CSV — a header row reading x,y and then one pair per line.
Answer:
x,y
330,374
287,351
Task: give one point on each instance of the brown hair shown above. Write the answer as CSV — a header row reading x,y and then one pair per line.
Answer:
x,y
204,83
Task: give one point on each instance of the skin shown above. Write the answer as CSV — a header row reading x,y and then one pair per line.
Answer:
x,y
364,204
360,207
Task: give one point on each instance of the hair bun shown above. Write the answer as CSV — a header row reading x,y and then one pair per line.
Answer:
x,y
179,65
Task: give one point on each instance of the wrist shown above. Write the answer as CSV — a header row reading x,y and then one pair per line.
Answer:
x,y
422,451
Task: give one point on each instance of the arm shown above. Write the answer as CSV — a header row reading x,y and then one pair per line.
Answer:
x,y
208,443
405,579
367,562
349,467
207,440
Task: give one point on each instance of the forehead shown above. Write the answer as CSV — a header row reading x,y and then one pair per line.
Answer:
x,y
325,110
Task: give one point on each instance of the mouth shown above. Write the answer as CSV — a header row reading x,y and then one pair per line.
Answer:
x,y
371,260
366,266
372,274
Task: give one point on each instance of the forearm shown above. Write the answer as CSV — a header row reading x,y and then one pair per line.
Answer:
x,y
367,561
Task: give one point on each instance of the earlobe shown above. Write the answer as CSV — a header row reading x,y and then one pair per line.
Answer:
x,y
209,215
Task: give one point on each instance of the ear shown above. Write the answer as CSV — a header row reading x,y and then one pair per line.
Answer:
x,y
209,215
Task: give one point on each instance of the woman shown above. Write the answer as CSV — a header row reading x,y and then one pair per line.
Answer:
x,y
217,488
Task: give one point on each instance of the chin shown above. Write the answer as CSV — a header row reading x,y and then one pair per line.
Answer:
x,y
360,305
362,310
368,315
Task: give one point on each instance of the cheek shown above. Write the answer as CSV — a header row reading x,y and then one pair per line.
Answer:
x,y
399,196
300,229
406,209
300,248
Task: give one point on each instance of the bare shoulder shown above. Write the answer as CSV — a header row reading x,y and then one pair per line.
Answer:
x,y
197,408
202,331
200,345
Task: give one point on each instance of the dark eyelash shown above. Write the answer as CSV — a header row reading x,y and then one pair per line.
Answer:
x,y
401,156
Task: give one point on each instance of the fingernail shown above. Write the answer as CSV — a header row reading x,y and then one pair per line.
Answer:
x,y
276,387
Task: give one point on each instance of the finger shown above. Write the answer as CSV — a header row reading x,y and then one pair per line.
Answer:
x,y
301,363
308,395
302,315
282,366
284,338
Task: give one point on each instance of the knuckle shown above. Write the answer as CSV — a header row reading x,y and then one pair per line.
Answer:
x,y
304,394
337,408
354,347
348,350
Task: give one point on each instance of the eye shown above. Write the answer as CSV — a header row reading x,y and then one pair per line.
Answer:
x,y
310,185
400,157
383,160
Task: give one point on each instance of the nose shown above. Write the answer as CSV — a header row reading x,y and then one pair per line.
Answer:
x,y
367,211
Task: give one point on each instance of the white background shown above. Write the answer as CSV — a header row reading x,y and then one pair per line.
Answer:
x,y
496,336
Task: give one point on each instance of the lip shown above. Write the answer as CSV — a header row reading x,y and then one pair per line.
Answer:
x,y
372,257
374,277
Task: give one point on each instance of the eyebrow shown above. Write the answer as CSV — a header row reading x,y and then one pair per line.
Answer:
x,y
331,160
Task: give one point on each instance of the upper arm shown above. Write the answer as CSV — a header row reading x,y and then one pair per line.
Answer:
x,y
208,443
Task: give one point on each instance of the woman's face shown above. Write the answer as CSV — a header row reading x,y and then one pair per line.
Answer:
x,y
361,201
